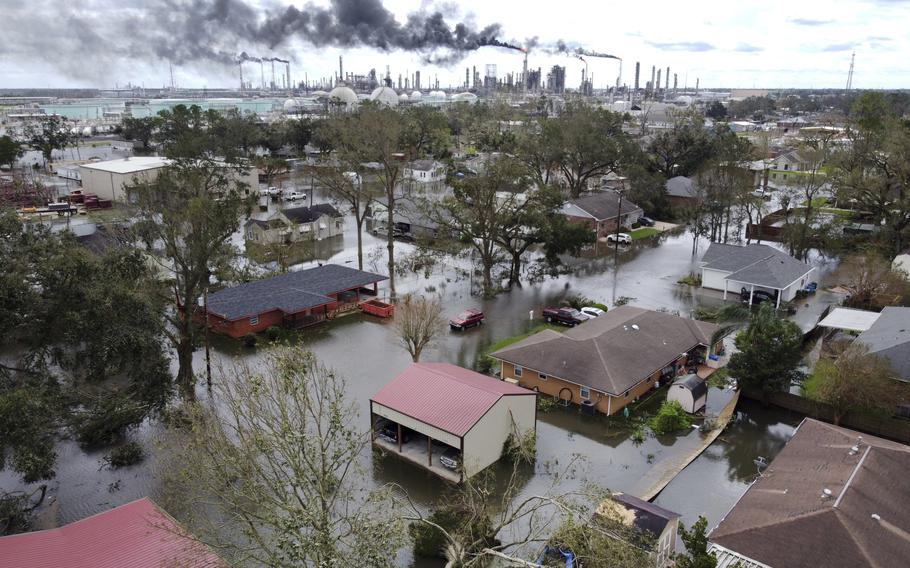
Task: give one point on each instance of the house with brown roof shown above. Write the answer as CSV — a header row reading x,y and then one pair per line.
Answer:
x,y
609,361
449,420
601,211
832,497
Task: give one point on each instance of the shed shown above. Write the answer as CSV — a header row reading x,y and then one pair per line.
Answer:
x,y
690,392
438,410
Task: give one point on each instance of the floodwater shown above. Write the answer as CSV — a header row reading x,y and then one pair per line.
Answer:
x,y
365,351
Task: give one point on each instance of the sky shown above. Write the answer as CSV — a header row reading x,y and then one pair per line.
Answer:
x,y
769,44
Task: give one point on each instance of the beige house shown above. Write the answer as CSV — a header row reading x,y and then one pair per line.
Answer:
x,y
449,420
321,221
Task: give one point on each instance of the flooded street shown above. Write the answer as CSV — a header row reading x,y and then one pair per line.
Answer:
x,y
365,351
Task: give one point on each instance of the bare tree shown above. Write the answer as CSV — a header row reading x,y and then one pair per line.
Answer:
x,y
855,380
272,474
871,281
346,185
418,321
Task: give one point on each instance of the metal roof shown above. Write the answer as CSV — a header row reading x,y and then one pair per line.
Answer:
x,y
129,165
889,337
445,396
291,292
849,319
135,535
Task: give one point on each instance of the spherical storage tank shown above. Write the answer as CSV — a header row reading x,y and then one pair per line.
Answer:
x,y
403,98
290,105
385,95
343,95
464,98
416,95
87,131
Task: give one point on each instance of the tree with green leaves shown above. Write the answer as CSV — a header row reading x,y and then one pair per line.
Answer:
x,y
140,129
684,148
298,133
696,543
855,380
806,185
723,182
427,131
770,350
48,134
716,111
10,151
274,476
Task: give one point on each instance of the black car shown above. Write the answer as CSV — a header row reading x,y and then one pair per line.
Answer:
x,y
758,297
646,221
389,433
450,458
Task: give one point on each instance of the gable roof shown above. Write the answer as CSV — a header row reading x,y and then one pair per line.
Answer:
x,y
601,206
784,520
608,353
445,396
695,384
310,214
648,516
761,265
889,337
135,535
680,186
291,292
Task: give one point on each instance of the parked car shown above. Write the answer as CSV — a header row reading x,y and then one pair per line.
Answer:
x,y
450,458
295,195
811,287
622,238
592,311
271,191
758,296
762,193
389,432
646,221
468,318
566,316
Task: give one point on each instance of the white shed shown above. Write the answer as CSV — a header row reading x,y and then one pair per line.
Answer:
x,y
449,420
690,392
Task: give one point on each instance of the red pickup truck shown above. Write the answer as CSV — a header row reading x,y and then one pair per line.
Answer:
x,y
566,316
466,319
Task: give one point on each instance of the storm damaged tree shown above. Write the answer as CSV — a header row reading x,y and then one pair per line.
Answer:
x,y
418,322
770,351
274,477
806,185
48,134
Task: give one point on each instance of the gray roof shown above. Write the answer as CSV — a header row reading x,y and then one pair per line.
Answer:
x,y
648,516
889,337
783,519
694,383
608,353
291,292
761,265
310,214
425,165
680,186
603,205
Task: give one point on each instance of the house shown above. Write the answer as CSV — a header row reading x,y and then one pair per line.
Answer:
x,y
690,392
138,534
294,299
889,337
112,179
647,519
681,190
831,497
425,171
791,161
752,268
600,212
321,221
435,407
609,361
901,263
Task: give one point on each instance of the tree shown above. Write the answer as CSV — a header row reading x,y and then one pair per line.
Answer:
x,y
427,131
770,349
808,184
716,111
855,380
48,134
298,133
10,151
273,477
871,281
140,129
722,182
682,149
696,543
270,166
418,322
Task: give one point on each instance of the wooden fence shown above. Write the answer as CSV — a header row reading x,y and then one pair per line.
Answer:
x,y
886,427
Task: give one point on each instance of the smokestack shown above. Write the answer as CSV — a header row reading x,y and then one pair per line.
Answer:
x,y
274,86
240,64
288,70
261,75
637,73
340,69
667,88
675,83
696,86
524,73
657,84
651,86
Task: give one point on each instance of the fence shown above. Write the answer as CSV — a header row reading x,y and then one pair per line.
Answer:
x,y
886,427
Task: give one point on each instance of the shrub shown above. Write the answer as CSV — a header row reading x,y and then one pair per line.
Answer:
x,y
429,542
124,455
623,300
670,418
638,434
545,403
578,302
250,340
690,280
273,333
105,421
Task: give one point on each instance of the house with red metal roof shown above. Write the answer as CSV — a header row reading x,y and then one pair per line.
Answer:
x,y
449,420
136,535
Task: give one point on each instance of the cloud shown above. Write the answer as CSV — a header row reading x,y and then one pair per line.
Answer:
x,y
837,47
682,45
746,48
810,22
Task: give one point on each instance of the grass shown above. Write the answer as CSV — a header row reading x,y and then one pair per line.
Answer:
x,y
115,213
644,233
293,253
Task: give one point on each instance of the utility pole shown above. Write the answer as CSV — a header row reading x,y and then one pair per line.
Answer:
x,y
850,74
616,237
208,351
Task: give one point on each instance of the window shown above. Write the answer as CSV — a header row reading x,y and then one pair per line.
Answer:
x,y
542,376
585,393
254,320
518,371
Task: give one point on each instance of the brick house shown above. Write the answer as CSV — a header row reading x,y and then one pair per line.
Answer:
x,y
609,361
600,212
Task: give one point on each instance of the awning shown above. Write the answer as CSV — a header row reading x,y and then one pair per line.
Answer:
x,y
849,319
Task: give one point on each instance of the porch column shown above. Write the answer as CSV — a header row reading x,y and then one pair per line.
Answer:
x,y
725,288
429,452
751,293
399,438
779,294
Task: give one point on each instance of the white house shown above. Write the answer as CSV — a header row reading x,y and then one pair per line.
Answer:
x,y
318,222
425,171
753,268
791,161
437,409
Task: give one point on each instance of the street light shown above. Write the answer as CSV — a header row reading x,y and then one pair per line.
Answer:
x,y
618,219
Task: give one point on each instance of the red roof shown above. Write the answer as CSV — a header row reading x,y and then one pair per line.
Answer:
x,y
135,535
445,396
